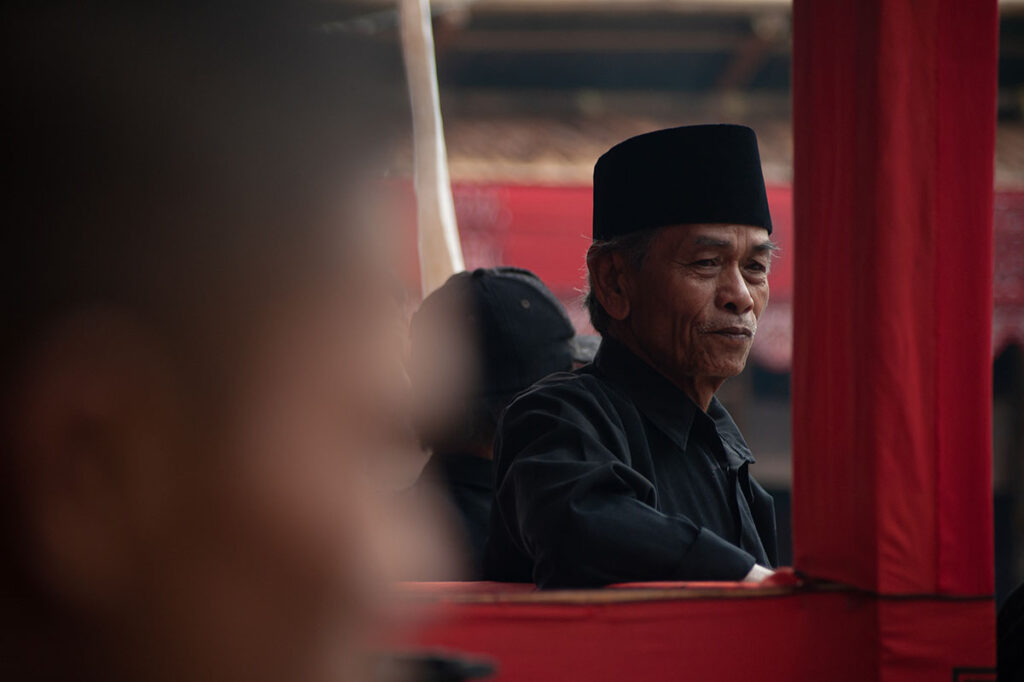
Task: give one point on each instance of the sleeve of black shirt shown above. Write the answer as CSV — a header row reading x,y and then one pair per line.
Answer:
x,y
568,498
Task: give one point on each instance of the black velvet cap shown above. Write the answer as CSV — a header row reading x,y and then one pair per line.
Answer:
x,y
677,176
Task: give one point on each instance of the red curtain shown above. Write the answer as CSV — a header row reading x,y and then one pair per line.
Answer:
x,y
894,128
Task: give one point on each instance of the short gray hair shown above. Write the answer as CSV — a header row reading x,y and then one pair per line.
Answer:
x,y
634,246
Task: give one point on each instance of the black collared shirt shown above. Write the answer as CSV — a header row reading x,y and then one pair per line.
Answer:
x,y
612,474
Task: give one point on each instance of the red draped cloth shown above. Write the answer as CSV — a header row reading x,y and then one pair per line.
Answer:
x,y
894,119
894,135
703,632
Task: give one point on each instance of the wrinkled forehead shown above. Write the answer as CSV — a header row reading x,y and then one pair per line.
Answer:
x,y
723,236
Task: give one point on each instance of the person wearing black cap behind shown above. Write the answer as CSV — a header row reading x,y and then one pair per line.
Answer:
x,y
480,339
629,469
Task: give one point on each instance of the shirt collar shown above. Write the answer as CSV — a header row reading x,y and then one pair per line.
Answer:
x,y
665,404
736,448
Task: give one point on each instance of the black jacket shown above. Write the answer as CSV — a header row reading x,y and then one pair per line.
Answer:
x,y
612,474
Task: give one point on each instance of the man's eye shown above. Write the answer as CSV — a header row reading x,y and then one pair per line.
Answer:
x,y
757,267
705,263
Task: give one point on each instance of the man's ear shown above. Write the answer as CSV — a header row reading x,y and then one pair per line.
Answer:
x,y
610,283
90,445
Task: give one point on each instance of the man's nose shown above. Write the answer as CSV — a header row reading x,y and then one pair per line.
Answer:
x,y
734,292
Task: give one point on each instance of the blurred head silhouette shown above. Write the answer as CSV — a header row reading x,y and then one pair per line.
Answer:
x,y
188,380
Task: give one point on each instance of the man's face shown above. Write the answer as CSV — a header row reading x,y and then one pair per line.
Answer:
x,y
695,302
274,550
268,563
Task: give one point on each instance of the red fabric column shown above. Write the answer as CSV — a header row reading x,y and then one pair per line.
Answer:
x,y
894,127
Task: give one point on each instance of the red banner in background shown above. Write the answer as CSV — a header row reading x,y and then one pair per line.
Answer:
x,y
547,230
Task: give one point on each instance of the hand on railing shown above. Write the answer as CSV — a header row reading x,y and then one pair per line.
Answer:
x,y
758,574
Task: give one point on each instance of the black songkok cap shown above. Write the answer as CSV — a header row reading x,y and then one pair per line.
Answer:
x,y
678,176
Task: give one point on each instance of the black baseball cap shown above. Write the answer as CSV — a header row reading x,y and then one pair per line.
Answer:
x,y
521,331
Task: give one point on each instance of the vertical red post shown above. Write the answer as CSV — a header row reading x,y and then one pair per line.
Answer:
x,y
894,129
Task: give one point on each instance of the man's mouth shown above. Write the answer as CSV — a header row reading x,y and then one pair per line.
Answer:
x,y
735,333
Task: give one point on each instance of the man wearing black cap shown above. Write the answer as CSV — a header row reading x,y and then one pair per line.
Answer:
x,y
629,469
477,341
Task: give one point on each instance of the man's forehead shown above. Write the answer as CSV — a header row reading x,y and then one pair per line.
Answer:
x,y
718,235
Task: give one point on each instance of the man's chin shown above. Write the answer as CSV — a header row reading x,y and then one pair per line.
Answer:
x,y
728,370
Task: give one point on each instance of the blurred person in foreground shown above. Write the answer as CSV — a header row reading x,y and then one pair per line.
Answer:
x,y
629,469
480,339
193,348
